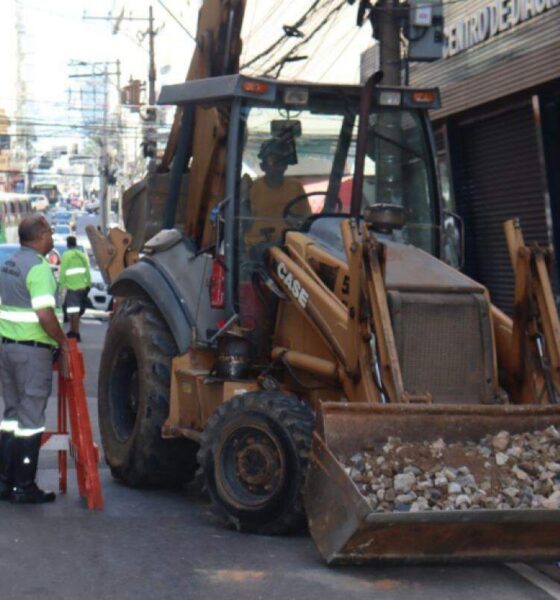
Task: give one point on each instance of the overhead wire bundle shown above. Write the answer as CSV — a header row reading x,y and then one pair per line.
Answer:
x,y
314,19
275,68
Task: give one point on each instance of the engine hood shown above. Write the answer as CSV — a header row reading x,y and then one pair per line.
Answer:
x,y
408,268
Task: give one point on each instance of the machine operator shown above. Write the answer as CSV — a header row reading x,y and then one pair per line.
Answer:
x,y
270,194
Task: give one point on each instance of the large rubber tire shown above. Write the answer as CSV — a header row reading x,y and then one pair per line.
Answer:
x,y
254,454
133,391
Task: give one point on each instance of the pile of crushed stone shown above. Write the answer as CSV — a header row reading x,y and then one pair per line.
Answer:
x,y
501,471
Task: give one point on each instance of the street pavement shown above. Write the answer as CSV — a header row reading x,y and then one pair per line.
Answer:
x,y
157,544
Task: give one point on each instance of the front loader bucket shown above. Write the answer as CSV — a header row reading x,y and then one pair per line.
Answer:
x,y
346,529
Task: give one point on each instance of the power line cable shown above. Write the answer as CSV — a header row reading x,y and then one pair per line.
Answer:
x,y
307,39
178,21
313,20
337,55
278,4
319,45
296,25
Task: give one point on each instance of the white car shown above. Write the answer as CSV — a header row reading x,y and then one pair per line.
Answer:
x,y
98,296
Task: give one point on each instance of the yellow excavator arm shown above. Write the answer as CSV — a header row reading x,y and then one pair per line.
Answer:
x,y
217,52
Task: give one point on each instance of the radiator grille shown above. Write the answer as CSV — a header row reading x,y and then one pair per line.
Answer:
x,y
444,345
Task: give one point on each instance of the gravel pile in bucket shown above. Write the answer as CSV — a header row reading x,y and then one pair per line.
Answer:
x,y
501,471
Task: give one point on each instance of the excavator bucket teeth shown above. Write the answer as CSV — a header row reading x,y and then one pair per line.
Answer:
x,y
346,529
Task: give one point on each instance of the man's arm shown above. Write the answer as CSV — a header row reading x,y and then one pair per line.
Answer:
x,y
49,322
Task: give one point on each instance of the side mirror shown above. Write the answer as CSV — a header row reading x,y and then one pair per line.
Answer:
x,y
453,239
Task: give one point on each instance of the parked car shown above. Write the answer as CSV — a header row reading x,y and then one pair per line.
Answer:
x,y
98,296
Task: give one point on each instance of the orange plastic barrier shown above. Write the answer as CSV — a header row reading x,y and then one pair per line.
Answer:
x,y
72,405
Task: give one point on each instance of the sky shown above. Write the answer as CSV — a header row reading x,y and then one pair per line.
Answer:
x,y
59,31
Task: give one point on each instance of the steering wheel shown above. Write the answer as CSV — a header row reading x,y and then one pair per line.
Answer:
x,y
287,214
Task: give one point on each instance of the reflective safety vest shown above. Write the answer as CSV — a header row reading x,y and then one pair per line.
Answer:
x,y
27,284
74,270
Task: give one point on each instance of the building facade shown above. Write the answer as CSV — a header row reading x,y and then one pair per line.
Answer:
x,y
498,131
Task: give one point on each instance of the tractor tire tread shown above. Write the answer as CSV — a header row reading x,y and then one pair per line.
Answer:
x,y
296,418
151,461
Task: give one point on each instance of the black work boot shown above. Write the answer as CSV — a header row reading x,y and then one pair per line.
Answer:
x,y
26,458
7,441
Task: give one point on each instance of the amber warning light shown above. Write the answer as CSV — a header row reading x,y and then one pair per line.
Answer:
x,y
255,87
424,97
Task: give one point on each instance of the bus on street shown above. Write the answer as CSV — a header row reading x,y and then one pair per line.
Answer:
x,y
13,207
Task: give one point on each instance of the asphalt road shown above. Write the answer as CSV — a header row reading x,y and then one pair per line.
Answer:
x,y
164,545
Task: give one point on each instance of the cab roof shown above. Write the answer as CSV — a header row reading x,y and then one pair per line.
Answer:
x,y
241,86
227,87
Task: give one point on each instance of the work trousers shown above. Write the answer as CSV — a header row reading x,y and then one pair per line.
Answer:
x,y
75,301
26,375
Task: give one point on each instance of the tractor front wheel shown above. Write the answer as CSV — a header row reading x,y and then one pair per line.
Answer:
x,y
134,384
254,454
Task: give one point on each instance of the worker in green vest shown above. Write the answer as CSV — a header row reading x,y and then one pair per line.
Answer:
x,y
29,334
75,278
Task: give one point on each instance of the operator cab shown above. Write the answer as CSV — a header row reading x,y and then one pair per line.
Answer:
x,y
312,148
291,166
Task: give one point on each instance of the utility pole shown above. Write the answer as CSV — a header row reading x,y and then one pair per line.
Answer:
x,y
104,163
385,18
102,70
149,141
386,14
120,148
152,69
419,21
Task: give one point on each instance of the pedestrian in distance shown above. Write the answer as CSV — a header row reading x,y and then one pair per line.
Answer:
x,y
75,278
30,334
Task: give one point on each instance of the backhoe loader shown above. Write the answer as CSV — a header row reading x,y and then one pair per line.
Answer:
x,y
293,308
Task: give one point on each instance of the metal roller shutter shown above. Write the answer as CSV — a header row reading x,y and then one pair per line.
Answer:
x,y
497,177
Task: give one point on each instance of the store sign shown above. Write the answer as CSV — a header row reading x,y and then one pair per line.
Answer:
x,y
492,19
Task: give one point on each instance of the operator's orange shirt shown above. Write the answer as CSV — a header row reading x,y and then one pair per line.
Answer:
x,y
267,205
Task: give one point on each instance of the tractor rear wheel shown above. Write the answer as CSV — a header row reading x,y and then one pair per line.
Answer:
x,y
133,390
254,454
